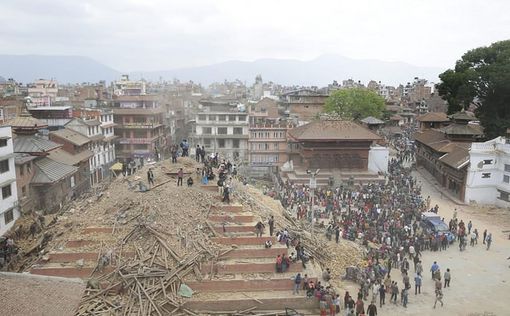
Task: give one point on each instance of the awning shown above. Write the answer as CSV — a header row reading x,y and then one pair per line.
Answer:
x,y
116,167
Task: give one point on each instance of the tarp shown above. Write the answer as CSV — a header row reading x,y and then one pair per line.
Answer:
x,y
185,291
116,167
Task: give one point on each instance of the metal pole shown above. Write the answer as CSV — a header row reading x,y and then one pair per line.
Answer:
x,y
313,210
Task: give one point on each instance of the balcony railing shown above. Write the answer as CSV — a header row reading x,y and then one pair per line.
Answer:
x,y
139,125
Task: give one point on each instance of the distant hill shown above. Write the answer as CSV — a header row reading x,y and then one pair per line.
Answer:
x,y
320,71
2,79
65,69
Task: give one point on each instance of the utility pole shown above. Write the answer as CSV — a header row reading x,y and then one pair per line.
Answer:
x,y
313,186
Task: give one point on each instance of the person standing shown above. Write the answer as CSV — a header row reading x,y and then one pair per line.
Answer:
x,y
394,292
271,225
405,297
447,278
297,284
337,233
434,268
417,284
470,225
484,236
488,240
150,177
382,295
419,267
180,175
259,229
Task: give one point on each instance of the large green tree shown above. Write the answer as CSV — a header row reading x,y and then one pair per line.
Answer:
x,y
355,103
481,78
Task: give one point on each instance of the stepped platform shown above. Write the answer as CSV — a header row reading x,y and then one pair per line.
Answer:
x,y
80,243
63,257
232,218
228,208
237,268
235,229
243,240
68,272
242,285
255,253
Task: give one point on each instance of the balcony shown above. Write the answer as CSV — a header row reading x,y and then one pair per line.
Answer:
x,y
223,136
138,125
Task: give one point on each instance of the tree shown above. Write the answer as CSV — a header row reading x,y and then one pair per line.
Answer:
x,y
355,103
481,78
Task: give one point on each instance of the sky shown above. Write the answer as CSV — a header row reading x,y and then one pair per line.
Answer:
x,y
131,35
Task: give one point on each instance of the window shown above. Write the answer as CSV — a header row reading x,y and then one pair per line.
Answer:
x,y
207,143
3,142
222,117
232,118
507,168
221,143
6,191
72,182
275,146
222,131
4,166
242,118
201,117
486,175
505,196
206,130
235,143
8,216
487,162
238,131
506,179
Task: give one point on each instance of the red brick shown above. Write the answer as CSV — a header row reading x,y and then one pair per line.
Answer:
x,y
232,219
73,256
82,273
243,240
272,304
80,243
242,285
231,208
248,268
212,188
236,229
255,253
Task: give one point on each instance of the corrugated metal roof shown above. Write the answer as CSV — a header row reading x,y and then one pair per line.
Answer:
x,y
371,120
50,171
63,156
23,158
72,136
33,144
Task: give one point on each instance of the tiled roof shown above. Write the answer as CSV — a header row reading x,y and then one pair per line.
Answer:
x,y
28,294
33,144
63,156
436,140
50,171
20,158
456,158
92,122
396,117
332,130
463,129
25,121
463,116
433,117
371,120
72,136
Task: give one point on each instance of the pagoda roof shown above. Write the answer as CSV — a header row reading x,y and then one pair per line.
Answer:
x,y
332,130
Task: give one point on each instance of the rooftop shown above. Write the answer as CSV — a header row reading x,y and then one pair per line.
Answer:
x,y
463,129
433,117
33,144
50,171
332,130
456,158
72,136
62,156
370,120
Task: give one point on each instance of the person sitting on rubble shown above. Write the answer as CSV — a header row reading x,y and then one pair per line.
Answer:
x,y
292,257
326,275
268,244
189,181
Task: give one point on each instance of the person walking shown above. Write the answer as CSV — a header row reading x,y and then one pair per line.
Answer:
x,y
447,278
180,175
394,292
405,297
150,177
417,284
439,298
372,309
484,236
297,284
434,268
470,225
488,240
382,295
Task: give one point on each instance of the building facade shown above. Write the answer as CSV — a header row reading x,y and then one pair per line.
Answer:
x,y
139,127
43,92
9,207
488,175
304,104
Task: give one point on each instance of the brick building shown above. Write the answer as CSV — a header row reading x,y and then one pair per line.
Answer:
x,y
305,104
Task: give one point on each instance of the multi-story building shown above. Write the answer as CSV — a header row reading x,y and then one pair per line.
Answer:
x,y
140,127
222,127
9,210
488,173
55,117
43,92
305,104
124,86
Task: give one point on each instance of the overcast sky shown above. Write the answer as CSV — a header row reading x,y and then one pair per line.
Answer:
x,y
163,34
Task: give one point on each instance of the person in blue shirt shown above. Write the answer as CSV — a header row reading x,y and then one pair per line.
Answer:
x,y
434,268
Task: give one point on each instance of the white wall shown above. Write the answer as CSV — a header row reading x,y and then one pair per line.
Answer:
x,y
378,158
8,178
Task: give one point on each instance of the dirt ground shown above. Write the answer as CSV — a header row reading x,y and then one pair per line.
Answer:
x,y
480,282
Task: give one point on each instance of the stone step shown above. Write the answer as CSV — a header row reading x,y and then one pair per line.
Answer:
x,y
243,240
242,285
235,229
62,257
255,253
237,268
212,188
277,302
80,243
228,208
82,273
232,218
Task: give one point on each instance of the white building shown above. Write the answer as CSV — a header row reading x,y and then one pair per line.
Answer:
x,y
43,92
223,129
488,174
125,86
9,210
